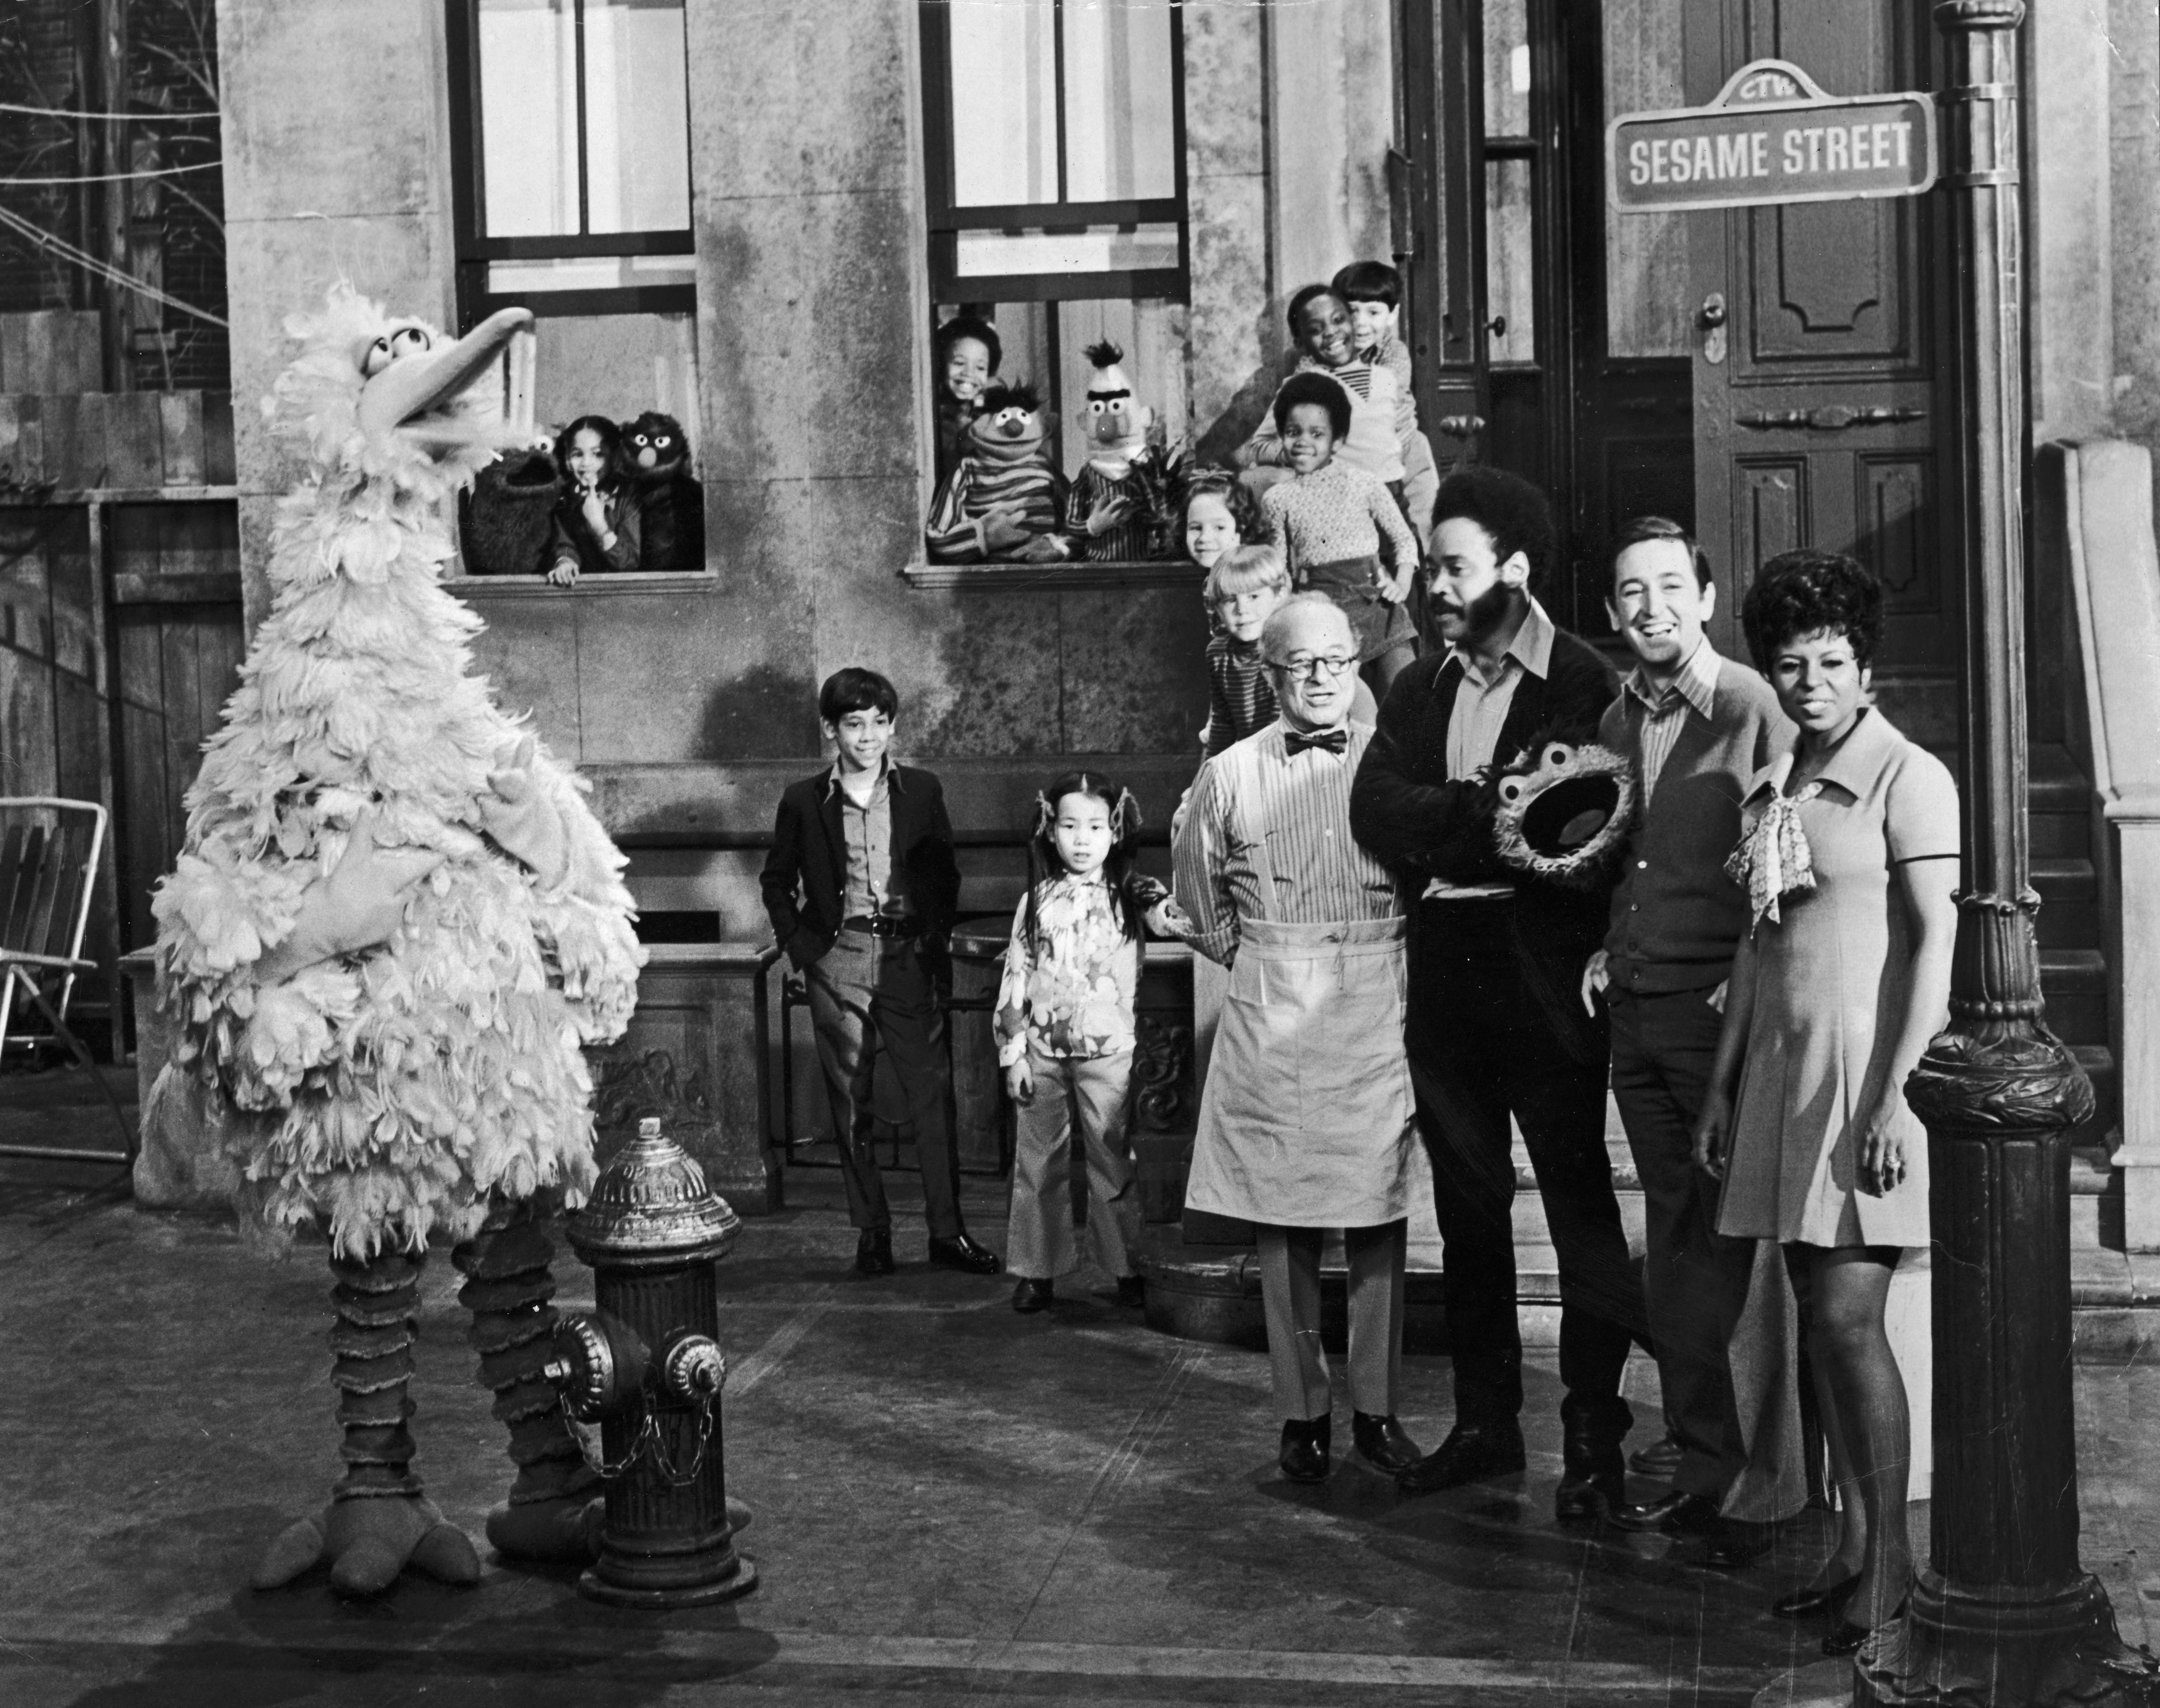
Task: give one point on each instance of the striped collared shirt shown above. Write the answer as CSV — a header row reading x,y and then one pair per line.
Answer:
x,y
1658,719
1300,803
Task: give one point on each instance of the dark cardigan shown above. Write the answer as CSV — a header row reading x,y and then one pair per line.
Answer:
x,y
1406,812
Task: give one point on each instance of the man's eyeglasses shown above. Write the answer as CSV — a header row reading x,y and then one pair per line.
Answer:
x,y
1312,666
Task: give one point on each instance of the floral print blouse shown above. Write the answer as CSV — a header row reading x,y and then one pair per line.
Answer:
x,y
1075,998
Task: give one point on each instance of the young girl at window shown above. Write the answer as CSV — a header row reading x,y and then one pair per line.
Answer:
x,y
1333,520
1065,1033
596,529
967,353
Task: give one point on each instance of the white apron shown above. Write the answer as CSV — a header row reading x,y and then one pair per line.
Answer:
x,y
1305,1115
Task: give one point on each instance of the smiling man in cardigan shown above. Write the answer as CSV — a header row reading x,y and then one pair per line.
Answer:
x,y
1495,1025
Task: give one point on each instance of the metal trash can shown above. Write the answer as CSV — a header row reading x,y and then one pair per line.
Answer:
x,y
981,1118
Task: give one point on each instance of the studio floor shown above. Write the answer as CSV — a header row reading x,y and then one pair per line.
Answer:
x,y
952,1504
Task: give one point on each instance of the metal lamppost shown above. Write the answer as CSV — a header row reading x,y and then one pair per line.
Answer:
x,y
2003,1615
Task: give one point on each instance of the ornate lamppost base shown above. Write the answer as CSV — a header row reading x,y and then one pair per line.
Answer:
x,y
1958,1648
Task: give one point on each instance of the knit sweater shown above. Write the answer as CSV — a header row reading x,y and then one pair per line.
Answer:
x,y
1676,917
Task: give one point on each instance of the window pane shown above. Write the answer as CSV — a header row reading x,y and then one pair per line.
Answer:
x,y
594,272
1098,249
528,68
1119,138
1004,102
1510,261
1646,255
637,122
1507,68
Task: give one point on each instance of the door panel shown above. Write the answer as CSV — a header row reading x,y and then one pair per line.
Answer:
x,y
1816,413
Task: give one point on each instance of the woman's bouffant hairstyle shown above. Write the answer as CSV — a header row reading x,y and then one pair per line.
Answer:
x,y
1043,864
611,437
1223,485
1314,388
1812,593
1507,507
1244,567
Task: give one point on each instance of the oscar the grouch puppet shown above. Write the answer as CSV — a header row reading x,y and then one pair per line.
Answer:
x,y
392,926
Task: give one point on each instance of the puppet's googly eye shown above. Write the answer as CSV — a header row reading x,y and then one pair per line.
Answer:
x,y
1558,755
376,359
409,340
1511,789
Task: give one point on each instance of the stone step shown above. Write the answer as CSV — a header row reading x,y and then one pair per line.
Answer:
x,y
2074,983
2069,903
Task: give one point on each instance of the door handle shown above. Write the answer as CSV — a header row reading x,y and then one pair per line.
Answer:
x,y
1497,325
1460,426
1712,314
1712,317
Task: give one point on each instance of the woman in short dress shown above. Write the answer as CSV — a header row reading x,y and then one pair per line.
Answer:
x,y
1850,854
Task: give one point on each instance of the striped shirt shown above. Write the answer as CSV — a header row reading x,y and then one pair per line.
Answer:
x,y
1300,803
1241,698
978,486
1122,542
1659,719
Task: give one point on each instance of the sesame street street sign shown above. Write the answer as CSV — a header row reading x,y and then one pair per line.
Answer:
x,y
1771,136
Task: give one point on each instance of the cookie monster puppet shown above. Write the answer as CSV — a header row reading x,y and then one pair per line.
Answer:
x,y
392,925
671,503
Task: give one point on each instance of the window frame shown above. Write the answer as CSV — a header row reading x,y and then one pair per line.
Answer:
x,y
474,249
947,220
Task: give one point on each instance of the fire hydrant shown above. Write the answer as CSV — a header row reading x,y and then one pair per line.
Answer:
x,y
646,1366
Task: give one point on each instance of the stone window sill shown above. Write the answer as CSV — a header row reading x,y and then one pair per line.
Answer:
x,y
493,587
1055,578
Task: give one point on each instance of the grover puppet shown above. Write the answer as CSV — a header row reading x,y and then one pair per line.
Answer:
x,y
671,503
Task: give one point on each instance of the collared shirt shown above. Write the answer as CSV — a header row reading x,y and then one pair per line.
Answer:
x,y
872,886
1482,701
1659,718
1070,992
1300,805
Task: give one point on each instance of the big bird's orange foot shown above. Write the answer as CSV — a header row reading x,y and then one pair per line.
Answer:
x,y
368,1542
550,1532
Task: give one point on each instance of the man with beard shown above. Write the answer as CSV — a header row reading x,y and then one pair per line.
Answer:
x,y
1495,1026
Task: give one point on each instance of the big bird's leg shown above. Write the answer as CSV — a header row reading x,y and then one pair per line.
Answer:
x,y
377,1522
555,1503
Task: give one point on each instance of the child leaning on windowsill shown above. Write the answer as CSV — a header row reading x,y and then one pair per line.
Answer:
x,y
1333,522
596,522
1065,1033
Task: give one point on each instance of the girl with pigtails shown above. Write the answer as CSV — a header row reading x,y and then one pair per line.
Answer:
x,y
1065,1032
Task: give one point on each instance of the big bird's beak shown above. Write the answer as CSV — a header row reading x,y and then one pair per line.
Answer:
x,y
413,385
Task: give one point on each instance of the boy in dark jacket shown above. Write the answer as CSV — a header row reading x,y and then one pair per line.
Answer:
x,y
1495,1026
860,887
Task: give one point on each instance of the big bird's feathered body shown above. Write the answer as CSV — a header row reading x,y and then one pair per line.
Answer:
x,y
417,1081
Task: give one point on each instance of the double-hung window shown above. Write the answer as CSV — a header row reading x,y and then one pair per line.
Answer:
x,y
572,159
1055,149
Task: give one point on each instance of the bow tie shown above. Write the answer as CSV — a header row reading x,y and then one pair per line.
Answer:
x,y
1336,741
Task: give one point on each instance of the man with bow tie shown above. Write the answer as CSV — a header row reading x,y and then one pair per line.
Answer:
x,y
1305,1117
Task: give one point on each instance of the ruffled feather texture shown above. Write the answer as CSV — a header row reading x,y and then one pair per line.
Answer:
x,y
421,1077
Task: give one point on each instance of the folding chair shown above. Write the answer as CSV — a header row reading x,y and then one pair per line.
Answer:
x,y
48,855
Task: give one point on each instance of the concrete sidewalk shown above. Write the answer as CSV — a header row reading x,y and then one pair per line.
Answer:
x,y
952,1502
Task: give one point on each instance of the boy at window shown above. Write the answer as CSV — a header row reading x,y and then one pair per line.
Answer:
x,y
596,528
1374,291
860,887
1320,322
965,357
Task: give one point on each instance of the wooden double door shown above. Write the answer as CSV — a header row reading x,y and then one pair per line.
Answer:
x,y
1773,377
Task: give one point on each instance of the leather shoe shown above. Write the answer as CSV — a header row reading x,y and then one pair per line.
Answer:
x,y
1846,1637
963,1253
1304,1444
1032,1296
874,1251
1830,1597
1660,1460
1382,1442
1673,1514
1132,1289
1584,1495
1471,1452
1734,1544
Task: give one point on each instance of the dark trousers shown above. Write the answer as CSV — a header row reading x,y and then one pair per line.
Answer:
x,y
1480,1048
1694,1278
869,993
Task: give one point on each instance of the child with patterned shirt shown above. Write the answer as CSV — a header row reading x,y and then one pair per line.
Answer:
x,y
1064,1026
1374,291
1332,523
